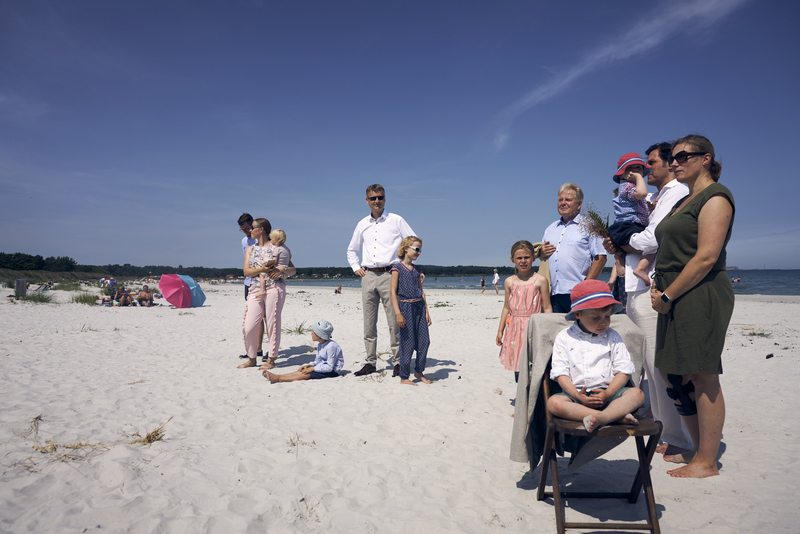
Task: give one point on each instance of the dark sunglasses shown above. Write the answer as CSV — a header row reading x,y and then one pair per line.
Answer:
x,y
683,156
416,249
373,199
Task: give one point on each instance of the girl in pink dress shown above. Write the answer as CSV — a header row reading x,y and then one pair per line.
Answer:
x,y
526,293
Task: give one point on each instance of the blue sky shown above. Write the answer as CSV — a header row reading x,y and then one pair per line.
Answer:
x,y
137,132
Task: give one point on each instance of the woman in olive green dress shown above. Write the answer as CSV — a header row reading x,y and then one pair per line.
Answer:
x,y
694,299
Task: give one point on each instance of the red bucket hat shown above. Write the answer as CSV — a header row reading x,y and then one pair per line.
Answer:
x,y
631,159
591,295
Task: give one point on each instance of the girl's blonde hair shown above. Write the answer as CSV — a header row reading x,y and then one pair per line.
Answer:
x,y
277,237
407,242
522,243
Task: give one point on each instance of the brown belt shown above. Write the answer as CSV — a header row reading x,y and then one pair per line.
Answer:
x,y
379,269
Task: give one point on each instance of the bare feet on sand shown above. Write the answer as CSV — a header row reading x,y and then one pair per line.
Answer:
x,y
251,362
269,363
422,377
694,470
680,458
407,382
271,377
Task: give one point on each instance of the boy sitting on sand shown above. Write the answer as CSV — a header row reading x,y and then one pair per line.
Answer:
x,y
591,363
328,363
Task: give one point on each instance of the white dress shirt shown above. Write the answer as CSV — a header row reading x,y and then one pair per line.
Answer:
x,y
588,359
645,241
379,239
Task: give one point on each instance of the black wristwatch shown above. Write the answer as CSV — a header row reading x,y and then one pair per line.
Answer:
x,y
665,299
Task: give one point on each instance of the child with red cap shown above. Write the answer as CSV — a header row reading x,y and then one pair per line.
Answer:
x,y
631,213
591,364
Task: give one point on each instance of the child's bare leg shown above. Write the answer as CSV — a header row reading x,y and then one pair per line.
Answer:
x,y
288,377
422,377
619,264
641,268
563,407
618,410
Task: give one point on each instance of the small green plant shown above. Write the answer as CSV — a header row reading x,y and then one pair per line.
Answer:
x,y
87,328
185,313
10,284
299,329
38,297
759,333
301,291
84,298
443,305
68,286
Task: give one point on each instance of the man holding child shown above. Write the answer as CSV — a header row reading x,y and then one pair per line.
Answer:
x,y
639,307
377,236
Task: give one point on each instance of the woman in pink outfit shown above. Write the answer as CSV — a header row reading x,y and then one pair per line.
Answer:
x,y
526,293
263,304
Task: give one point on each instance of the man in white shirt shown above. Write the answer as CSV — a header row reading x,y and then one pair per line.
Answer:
x,y
675,438
245,222
573,254
377,236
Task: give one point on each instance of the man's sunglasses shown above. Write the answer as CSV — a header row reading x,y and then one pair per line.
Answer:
x,y
683,156
373,199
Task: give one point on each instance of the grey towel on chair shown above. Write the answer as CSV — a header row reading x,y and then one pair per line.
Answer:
x,y
527,435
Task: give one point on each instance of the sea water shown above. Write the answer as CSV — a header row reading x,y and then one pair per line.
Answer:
x,y
755,282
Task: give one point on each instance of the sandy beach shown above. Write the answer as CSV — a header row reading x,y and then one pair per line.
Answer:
x,y
351,454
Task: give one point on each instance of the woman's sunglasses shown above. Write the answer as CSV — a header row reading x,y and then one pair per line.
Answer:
x,y
683,156
416,249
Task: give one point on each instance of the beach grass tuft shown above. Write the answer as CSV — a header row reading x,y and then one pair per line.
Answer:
x,y
38,297
759,333
299,329
84,298
151,437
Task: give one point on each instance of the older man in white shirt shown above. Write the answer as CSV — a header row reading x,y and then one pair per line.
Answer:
x,y
377,236
675,438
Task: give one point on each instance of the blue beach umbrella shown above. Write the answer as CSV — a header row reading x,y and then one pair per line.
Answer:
x,y
198,297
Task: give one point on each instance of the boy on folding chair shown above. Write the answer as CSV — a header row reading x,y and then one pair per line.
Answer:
x,y
591,364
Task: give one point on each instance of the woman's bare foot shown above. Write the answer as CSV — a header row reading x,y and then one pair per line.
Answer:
x,y
269,363
407,382
251,362
694,470
271,377
422,377
643,276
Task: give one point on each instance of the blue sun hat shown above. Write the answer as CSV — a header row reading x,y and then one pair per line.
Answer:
x,y
591,295
323,329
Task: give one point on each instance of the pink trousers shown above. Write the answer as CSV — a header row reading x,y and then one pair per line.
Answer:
x,y
267,305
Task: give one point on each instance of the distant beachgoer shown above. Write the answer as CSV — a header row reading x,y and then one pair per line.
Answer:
x,y
267,304
483,285
694,299
591,363
573,255
338,290
631,212
411,310
526,293
145,297
377,237
496,279
122,296
327,364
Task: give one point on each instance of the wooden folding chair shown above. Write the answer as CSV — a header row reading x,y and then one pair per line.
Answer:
x,y
556,426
